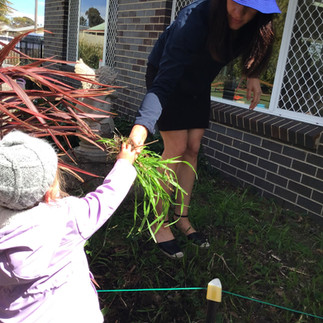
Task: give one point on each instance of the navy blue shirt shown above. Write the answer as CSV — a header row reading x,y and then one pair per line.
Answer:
x,y
183,62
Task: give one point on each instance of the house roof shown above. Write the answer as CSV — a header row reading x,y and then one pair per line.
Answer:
x,y
23,29
4,27
99,27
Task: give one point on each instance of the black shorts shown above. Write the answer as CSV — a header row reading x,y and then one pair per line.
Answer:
x,y
183,110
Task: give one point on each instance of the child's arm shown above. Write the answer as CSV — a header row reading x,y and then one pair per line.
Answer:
x,y
93,210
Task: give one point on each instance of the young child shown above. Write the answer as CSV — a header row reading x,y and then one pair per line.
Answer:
x,y
44,273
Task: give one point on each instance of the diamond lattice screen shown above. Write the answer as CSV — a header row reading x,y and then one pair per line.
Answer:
x,y
178,5
111,32
73,30
302,88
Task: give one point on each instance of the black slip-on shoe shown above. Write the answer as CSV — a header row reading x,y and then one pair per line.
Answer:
x,y
198,239
171,249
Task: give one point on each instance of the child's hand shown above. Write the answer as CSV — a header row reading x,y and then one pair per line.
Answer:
x,y
128,153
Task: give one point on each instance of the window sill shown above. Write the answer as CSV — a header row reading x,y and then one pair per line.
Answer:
x,y
301,134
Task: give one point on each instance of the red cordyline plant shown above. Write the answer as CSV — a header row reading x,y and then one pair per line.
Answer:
x,y
51,108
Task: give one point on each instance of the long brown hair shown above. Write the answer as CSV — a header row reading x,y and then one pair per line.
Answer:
x,y
253,41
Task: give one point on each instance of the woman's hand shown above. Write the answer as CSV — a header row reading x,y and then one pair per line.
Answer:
x,y
138,136
127,153
253,86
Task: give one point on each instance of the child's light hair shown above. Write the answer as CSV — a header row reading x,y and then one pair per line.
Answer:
x,y
56,191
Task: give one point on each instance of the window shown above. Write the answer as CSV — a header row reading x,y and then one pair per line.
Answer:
x,y
229,85
292,84
91,32
87,31
84,28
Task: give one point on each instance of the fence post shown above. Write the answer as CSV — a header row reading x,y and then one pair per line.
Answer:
x,y
213,296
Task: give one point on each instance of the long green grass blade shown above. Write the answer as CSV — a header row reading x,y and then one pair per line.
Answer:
x,y
154,178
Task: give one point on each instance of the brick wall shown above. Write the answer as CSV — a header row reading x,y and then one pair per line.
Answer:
x,y
281,158
56,21
139,24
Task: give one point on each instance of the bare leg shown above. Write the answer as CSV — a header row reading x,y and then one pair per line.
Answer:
x,y
174,145
185,143
186,177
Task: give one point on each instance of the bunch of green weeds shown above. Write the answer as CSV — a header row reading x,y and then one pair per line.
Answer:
x,y
155,179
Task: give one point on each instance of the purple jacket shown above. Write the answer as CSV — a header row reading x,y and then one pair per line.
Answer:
x,y
44,273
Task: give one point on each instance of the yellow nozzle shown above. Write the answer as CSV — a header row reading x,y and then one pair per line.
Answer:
x,y
214,290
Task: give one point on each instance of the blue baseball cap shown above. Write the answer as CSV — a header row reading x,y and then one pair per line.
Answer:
x,y
264,6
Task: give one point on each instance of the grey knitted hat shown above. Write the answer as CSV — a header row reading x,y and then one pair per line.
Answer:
x,y
28,167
